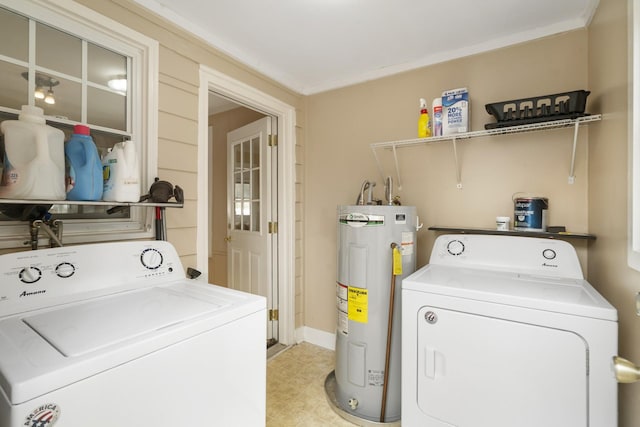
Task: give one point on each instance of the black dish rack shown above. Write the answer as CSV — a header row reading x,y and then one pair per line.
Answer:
x,y
559,106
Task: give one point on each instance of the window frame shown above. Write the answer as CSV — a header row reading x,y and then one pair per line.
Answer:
x,y
93,27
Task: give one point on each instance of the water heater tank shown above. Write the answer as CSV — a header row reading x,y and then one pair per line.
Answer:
x,y
363,290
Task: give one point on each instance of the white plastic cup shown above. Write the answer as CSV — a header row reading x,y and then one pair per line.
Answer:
x,y
502,223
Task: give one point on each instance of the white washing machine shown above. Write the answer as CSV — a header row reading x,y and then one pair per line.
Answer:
x,y
114,334
502,331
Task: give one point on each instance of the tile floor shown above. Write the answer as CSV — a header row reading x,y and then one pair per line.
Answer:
x,y
295,388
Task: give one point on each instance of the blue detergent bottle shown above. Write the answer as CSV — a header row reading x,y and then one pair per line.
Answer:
x,y
83,174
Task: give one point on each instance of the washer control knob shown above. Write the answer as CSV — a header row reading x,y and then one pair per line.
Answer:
x,y
151,258
30,274
455,247
549,254
65,269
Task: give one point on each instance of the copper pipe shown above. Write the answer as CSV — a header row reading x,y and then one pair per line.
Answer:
x,y
389,329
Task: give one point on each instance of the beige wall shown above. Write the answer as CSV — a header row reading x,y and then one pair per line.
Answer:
x,y
608,186
342,123
180,57
221,124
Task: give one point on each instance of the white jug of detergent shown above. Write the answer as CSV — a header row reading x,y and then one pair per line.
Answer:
x,y
121,173
34,158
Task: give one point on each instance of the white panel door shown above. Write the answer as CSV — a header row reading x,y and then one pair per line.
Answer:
x,y
477,371
249,210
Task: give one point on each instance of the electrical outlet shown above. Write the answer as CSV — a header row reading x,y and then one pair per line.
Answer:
x,y
638,303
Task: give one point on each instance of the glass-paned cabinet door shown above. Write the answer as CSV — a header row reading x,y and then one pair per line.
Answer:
x,y
14,89
18,27
72,79
14,56
58,51
80,69
106,109
58,73
108,81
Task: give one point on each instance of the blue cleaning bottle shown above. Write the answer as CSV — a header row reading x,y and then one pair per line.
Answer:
x,y
83,173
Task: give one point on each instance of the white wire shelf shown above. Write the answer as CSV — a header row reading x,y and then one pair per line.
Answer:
x,y
490,132
88,203
555,124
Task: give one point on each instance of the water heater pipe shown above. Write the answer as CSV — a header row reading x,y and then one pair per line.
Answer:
x,y
388,190
363,187
389,328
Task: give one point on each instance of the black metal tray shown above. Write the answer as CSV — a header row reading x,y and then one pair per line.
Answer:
x,y
558,106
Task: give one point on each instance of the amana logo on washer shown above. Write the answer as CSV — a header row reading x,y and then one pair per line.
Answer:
x,y
43,416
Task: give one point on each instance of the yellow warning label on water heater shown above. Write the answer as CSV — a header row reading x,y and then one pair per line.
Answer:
x,y
358,305
397,262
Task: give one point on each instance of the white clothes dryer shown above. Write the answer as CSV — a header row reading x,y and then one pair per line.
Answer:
x,y
503,331
114,334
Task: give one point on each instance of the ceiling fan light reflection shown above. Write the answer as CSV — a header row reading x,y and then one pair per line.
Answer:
x,y
118,84
49,99
39,93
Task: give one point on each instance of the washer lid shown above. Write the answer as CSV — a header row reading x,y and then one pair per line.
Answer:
x,y
96,324
561,295
108,331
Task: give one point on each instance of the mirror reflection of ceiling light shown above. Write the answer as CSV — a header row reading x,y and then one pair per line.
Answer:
x,y
49,99
43,81
39,93
118,83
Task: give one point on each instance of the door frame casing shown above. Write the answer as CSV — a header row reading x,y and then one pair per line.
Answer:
x,y
212,80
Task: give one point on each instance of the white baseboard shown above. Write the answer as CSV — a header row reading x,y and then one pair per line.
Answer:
x,y
316,337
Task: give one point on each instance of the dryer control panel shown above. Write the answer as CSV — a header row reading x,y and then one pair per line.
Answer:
x,y
47,277
529,255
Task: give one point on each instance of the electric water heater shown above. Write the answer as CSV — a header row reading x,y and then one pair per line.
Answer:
x,y
365,345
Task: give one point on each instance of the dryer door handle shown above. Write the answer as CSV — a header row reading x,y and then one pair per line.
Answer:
x,y
430,362
433,363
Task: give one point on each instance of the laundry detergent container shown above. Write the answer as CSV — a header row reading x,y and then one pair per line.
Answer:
x,y
83,173
121,173
34,158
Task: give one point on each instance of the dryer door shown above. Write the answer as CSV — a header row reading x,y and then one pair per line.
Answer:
x,y
477,371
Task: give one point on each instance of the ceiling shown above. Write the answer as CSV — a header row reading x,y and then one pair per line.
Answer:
x,y
311,46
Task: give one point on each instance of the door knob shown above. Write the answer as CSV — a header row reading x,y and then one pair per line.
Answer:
x,y
626,372
227,239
